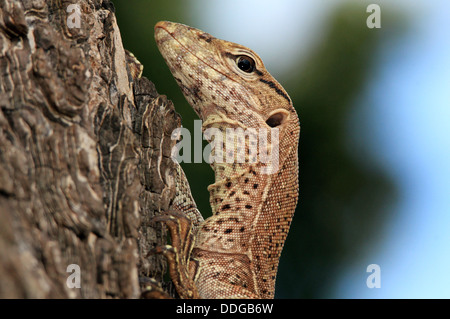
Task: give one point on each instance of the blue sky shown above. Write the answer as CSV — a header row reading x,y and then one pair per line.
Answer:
x,y
406,115
409,104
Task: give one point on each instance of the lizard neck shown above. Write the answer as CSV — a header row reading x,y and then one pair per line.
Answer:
x,y
236,153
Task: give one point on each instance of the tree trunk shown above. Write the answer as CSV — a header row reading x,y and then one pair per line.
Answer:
x,y
84,155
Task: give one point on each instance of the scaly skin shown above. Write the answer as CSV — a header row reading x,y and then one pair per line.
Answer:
x,y
235,252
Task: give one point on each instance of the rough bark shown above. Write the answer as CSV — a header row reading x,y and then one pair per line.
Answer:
x,y
84,155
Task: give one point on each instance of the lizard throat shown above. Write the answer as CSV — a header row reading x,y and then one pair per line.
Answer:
x,y
235,159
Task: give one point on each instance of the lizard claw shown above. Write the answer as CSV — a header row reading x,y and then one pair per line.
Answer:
x,y
180,227
177,254
151,289
171,216
163,249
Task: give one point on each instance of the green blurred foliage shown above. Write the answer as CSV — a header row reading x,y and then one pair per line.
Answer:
x,y
343,200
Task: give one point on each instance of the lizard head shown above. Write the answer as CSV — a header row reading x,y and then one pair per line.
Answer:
x,y
226,83
223,79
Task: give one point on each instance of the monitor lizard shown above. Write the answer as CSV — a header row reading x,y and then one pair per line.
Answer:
x,y
235,252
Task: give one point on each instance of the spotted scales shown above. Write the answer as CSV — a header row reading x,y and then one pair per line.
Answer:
x,y
235,252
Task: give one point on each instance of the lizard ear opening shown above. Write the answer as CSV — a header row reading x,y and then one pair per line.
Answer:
x,y
277,118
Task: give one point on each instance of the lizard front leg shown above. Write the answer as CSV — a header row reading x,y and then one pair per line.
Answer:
x,y
182,221
181,267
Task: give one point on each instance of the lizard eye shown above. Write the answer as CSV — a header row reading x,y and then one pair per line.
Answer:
x,y
245,63
276,119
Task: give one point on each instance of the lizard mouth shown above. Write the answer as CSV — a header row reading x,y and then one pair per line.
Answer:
x,y
172,29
